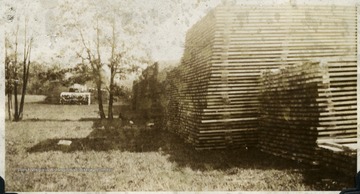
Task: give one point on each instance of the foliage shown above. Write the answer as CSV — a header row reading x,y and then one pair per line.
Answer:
x,y
104,36
80,74
122,92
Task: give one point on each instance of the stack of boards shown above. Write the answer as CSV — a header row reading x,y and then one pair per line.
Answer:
x,y
146,93
338,153
290,111
225,53
297,116
172,89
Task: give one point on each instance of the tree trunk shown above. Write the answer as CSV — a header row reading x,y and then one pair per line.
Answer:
x,y
16,114
8,83
10,105
110,111
101,107
111,96
22,101
23,93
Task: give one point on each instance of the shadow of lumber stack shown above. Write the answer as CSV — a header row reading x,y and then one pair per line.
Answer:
x,y
226,51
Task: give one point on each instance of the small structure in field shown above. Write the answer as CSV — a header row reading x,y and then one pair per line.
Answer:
x,y
75,98
77,95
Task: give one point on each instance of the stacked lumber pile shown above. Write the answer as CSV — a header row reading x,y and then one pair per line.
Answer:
x,y
339,154
295,107
172,86
146,94
196,73
226,51
289,110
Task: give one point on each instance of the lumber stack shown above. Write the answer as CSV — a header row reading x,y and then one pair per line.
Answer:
x,y
226,51
172,85
147,94
290,112
295,108
339,154
196,73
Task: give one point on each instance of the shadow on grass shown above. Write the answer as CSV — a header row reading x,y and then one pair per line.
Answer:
x,y
105,137
58,120
120,135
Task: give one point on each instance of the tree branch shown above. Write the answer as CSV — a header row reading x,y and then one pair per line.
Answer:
x,y
25,40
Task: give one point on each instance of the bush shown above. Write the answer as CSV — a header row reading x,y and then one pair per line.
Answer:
x,y
53,92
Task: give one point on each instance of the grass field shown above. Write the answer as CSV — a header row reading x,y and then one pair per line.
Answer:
x,y
121,157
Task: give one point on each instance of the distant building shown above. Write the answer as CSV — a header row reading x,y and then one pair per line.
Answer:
x,y
78,88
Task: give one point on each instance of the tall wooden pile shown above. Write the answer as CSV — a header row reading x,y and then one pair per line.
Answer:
x,y
146,94
339,154
226,51
172,86
291,115
297,117
196,64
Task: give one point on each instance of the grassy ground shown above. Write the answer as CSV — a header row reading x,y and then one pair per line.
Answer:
x,y
121,157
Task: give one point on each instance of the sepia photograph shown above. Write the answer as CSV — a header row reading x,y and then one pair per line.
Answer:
x,y
179,95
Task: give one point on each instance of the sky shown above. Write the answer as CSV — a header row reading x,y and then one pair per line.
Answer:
x,y
164,37
165,40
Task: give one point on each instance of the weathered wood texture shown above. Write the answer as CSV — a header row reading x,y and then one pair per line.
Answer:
x,y
297,116
173,86
226,51
339,154
289,112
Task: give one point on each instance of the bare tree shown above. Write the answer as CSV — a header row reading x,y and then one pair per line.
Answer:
x,y
28,41
17,71
8,78
96,65
114,62
12,69
102,46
